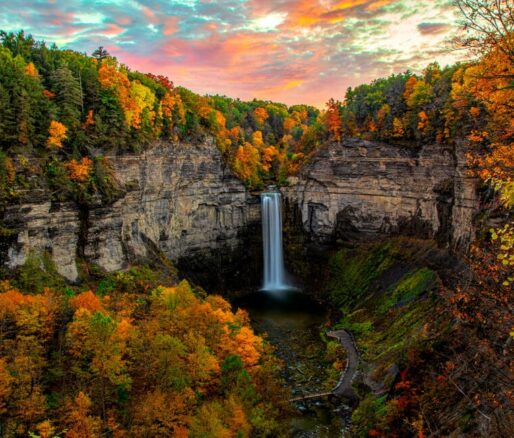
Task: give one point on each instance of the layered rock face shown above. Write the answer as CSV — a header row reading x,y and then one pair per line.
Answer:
x,y
179,200
371,188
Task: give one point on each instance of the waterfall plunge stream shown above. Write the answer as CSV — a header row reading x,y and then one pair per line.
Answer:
x,y
274,272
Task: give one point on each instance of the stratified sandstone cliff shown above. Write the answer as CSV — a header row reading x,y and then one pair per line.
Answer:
x,y
367,187
179,199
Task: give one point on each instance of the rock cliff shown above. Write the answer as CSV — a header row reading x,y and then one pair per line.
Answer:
x,y
367,187
179,200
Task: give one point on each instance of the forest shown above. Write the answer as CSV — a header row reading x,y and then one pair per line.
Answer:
x,y
140,353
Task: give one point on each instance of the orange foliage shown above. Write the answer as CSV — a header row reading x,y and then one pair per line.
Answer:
x,y
261,115
80,423
268,155
110,77
87,300
45,429
246,160
48,94
474,111
6,381
220,119
10,170
31,70
289,124
79,170
422,121
57,134
333,119
235,133
409,87
90,119
490,81
162,413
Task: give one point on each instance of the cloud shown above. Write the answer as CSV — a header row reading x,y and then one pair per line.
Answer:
x,y
296,51
433,28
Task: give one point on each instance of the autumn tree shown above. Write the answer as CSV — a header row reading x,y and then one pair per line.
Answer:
x,y
333,119
56,135
261,115
79,170
488,26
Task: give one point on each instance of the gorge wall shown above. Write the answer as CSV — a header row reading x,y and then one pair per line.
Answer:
x,y
179,199
361,187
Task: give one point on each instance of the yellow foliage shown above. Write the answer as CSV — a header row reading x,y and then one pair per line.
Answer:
x,y
117,81
257,140
398,129
142,98
57,134
268,155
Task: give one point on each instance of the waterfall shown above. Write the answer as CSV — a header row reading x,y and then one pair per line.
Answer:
x,y
274,272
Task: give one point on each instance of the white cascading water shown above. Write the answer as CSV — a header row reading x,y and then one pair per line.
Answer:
x,y
274,272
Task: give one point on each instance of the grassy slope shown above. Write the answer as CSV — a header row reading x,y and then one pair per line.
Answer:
x,y
387,293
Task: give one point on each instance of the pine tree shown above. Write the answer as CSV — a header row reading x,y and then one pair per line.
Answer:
x,y
100,53
68,96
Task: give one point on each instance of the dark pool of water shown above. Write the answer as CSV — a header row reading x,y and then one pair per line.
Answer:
x,y
292,322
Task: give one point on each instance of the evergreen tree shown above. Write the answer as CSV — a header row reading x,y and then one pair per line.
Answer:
x,y
100,53
68,96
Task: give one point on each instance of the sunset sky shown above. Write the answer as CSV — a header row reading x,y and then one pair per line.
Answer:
x,y
293,51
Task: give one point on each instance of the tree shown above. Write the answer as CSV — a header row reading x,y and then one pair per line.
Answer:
x,y
56,135
80,423
333,119
489,25
68,96
398,128
261,115
100,54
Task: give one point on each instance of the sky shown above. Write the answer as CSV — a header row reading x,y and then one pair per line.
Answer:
x,y
291,51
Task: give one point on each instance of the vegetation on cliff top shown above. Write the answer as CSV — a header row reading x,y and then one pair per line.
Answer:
x,y
60,111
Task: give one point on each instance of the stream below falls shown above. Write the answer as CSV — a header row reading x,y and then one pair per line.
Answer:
x,y
292,323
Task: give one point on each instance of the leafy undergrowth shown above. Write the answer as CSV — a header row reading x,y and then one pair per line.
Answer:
x,y
430,365
139,355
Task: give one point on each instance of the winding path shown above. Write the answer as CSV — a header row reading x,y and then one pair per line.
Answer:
x,y
344,386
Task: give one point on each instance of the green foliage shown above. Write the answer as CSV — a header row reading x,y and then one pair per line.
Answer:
x,y
134,280
410,287
386,292
352,274
37,273
370,412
